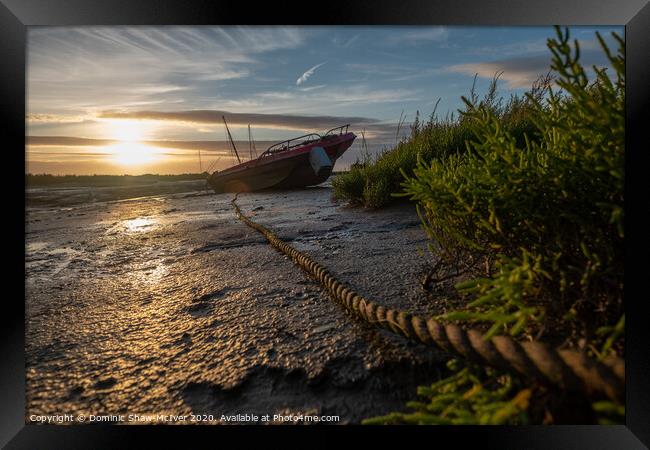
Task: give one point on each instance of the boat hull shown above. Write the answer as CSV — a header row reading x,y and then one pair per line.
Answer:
x,y
291,169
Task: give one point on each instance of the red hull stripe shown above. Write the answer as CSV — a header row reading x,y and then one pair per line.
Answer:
x,y
289,154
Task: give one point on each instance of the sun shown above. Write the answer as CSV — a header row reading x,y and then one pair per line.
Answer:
x,y
133,153
130,150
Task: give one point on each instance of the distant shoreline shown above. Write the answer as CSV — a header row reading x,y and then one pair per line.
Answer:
x,y
43,180
67,190
49,180
110,188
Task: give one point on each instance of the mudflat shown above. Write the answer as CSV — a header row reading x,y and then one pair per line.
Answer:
x,y
170,304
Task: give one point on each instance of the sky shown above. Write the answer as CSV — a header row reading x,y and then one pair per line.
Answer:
x,y
134,100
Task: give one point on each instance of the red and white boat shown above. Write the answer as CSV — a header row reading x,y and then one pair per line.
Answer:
x,y
302,161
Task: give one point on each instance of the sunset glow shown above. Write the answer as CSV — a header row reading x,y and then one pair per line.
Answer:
x,y
135,100
130,150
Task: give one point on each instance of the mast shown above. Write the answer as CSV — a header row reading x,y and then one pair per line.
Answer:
x,y
230,137
250,145
200,165
252,141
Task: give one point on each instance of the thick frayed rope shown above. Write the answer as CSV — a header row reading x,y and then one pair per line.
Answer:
x,y
568,370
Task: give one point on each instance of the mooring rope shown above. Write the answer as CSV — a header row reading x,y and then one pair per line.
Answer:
x,y
568,370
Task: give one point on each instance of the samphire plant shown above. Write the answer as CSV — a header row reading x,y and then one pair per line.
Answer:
x,y
471,396
548,214
543,207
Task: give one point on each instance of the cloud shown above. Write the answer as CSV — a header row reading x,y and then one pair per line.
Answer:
x,y
67,141
387,70
70,141
55,118
76,69
521,72
351,41
430,34
528,48
419,73
305,76
295,122
334,98
394,72
517,72
312,88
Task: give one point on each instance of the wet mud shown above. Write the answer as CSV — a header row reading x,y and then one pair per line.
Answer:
x,y
170,304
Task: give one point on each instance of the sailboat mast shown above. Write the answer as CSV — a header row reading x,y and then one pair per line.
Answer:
x,y
250,144
230,137
252,141
200,165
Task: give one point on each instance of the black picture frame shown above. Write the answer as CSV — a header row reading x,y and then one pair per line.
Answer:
x,y
17,15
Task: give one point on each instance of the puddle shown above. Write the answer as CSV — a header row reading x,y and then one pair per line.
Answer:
x,y
138,225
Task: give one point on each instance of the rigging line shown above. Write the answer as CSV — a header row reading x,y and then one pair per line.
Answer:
x,y
225,135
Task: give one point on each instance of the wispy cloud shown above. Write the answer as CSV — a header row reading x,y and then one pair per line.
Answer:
x,y
312,88
431,34
334,98
305,76
376,69
55,118
527,48
281,121
394,72
74,69
351,41
67,141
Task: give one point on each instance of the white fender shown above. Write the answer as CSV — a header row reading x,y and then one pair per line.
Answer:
x,y
319,160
